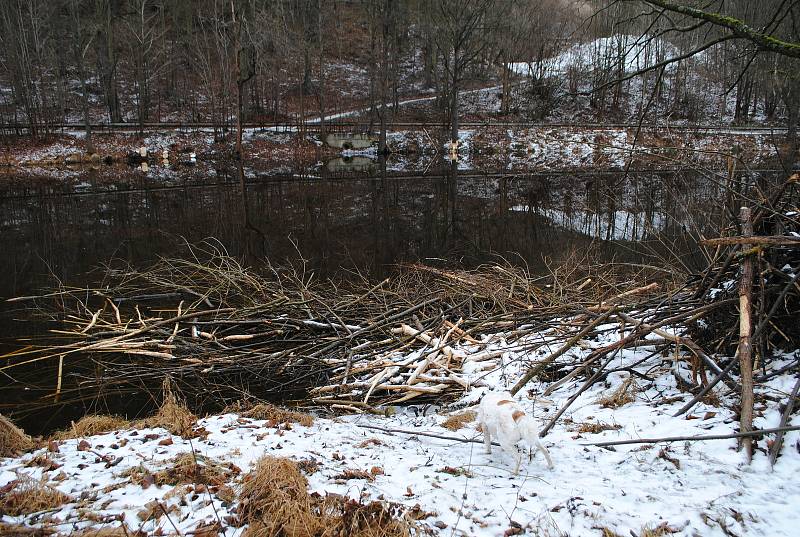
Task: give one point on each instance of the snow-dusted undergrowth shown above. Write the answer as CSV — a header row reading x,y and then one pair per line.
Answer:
x,y
689,488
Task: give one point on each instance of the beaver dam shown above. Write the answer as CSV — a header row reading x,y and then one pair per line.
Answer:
x,y
224,332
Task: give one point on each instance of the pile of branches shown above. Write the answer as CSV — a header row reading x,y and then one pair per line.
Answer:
x,y
767,236
224,332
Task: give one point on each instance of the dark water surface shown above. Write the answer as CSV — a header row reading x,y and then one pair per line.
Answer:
x,y
68,226
62,226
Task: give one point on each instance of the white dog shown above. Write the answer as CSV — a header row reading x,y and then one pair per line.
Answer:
x,y
503,418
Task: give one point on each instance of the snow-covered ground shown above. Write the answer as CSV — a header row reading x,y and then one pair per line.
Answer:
x,y
629,52
684,488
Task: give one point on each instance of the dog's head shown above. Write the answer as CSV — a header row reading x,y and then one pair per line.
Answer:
x,y
527,428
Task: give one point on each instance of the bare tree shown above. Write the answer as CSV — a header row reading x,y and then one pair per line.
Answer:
x,y
145,34
24,38
463,30
754,28
82,37
245,70
383,29
106,12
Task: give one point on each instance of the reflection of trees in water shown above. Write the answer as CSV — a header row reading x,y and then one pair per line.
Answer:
x,y
365,222
254,240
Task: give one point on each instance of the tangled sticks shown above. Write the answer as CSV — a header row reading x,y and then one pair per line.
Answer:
x,y
223,331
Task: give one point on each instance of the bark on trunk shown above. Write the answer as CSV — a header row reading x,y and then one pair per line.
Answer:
x,y
454,112
745,343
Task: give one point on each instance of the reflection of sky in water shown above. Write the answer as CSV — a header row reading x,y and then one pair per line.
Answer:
x,y
617,225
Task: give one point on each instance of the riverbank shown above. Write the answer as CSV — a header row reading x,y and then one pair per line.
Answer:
x,y
508,148
424,466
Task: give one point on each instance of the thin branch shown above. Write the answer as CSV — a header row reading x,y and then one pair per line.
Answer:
x,y
746,434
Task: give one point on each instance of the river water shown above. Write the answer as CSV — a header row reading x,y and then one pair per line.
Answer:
x,y
62,226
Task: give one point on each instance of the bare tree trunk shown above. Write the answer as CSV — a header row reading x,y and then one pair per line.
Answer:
x,y
791,98
85,101
386,13
321,83
108,64
454,109
237,46
306,87
239,107
505,100
372,67
745,343
79,47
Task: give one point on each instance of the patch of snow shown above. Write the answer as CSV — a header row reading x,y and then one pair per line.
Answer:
x,y
629,52
694,488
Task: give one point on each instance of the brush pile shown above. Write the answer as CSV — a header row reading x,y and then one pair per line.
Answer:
x,y
771,239
224,332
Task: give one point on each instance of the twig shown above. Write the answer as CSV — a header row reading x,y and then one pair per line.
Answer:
x,y
787,412
572,399
760,240
170,519
745,434
424,433
539,367
704,391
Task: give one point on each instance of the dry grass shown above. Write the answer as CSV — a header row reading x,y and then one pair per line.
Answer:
x,y
107,531
92,425
17,530
596,428
658,531
187,468
13,440
457,421
275,501
626,393
375,519
266,411
173,415
24,496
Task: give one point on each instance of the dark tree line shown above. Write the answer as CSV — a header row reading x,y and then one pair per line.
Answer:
x,y
140,61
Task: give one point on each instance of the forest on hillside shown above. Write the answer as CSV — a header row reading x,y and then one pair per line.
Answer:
x,y
143,61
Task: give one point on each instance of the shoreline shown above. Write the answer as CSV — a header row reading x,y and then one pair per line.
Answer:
x,y
552,148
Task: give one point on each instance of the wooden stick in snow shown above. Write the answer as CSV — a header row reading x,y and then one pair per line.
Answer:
x,y
613,300
598,444
745,340
743,434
